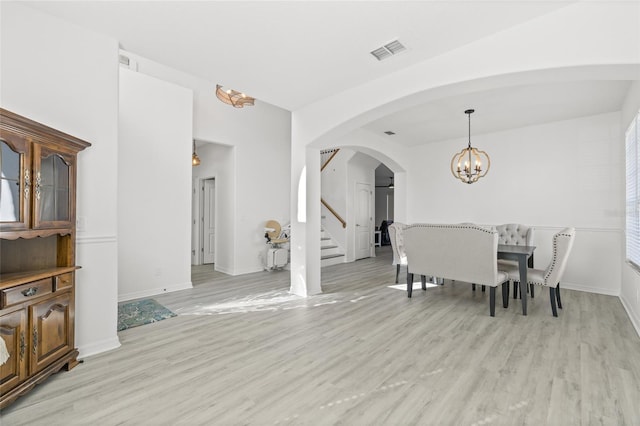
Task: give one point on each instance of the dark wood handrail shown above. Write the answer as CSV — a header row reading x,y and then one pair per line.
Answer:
x,y
333,212
329,160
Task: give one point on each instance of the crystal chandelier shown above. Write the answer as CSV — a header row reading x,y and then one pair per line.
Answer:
x,y
467,165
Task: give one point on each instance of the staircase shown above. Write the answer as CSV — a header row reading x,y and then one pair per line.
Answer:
x,y
330,252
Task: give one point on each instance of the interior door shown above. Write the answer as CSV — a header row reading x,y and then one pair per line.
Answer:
x,y
363,221
209,222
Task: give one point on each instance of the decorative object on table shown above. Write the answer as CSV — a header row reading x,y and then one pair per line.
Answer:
x,y
141,312
467,165
195,160
233,97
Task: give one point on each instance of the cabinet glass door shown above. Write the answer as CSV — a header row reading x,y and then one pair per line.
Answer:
x,y
14,184
52,190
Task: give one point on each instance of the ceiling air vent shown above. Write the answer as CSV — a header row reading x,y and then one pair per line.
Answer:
x,y
388,50
127,62
389,132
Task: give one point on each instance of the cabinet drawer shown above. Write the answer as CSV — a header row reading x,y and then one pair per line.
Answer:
x,y
63,281
25,292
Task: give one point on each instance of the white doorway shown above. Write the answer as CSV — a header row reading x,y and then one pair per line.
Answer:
x,y
208,221
364,221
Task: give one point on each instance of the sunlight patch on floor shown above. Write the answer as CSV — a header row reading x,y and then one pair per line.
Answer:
x,y
278,300
417,285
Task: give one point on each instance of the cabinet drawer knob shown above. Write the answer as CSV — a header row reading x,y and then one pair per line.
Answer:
x,y
30,291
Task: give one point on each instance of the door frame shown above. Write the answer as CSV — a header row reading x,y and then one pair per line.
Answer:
x,y
370,221
203,205
197,219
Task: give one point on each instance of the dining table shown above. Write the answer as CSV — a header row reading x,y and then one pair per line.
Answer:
x,y
521,254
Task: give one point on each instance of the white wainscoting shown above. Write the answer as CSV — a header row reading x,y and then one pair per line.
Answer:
x,y
96,294
594,262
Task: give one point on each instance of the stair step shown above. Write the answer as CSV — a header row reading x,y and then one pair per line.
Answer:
x,y
328,247
325,239
331,256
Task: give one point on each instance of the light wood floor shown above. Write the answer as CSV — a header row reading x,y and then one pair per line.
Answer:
x,y
243,351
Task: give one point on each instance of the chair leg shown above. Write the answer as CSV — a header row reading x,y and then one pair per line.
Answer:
x,y
515,289
409,284
473,287
532,286
484,287
552,297
423,278
397,272
505,294
492,301
558,296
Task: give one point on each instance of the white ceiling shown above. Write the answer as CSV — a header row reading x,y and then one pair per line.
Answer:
x,y
292,53
501,109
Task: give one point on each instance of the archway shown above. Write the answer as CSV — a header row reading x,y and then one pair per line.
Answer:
x,y
342,125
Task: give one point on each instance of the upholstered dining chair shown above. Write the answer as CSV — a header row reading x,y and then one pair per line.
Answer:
x,y
550,277
515,234
397,246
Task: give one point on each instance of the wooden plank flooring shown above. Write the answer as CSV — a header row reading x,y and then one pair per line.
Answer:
x,y
244,351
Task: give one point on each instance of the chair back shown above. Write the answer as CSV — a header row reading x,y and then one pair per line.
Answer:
x,y
397,243
515,234
277,229
462,252
562,244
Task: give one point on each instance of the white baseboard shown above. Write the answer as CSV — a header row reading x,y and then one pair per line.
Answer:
x,y
633,316
588,289
223,269
154,291
98,347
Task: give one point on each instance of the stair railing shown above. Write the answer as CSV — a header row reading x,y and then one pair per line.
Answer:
x,y
333,212
329,154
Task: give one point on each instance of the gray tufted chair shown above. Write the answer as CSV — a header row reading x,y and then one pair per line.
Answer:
x,y
550,277
515,234
397,246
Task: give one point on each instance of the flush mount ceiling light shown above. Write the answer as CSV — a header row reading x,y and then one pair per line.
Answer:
x,y
467,164
233,97
195,160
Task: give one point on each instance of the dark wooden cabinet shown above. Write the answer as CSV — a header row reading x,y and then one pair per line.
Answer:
x,y
37,253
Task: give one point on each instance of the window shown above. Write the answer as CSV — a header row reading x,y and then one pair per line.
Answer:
x,y
632,144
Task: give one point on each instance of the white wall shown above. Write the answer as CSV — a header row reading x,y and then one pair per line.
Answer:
x,y
217,161
630,291
154,190
261,138
66,77
549,176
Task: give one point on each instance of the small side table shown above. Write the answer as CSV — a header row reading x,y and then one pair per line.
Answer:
x,y
377,237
